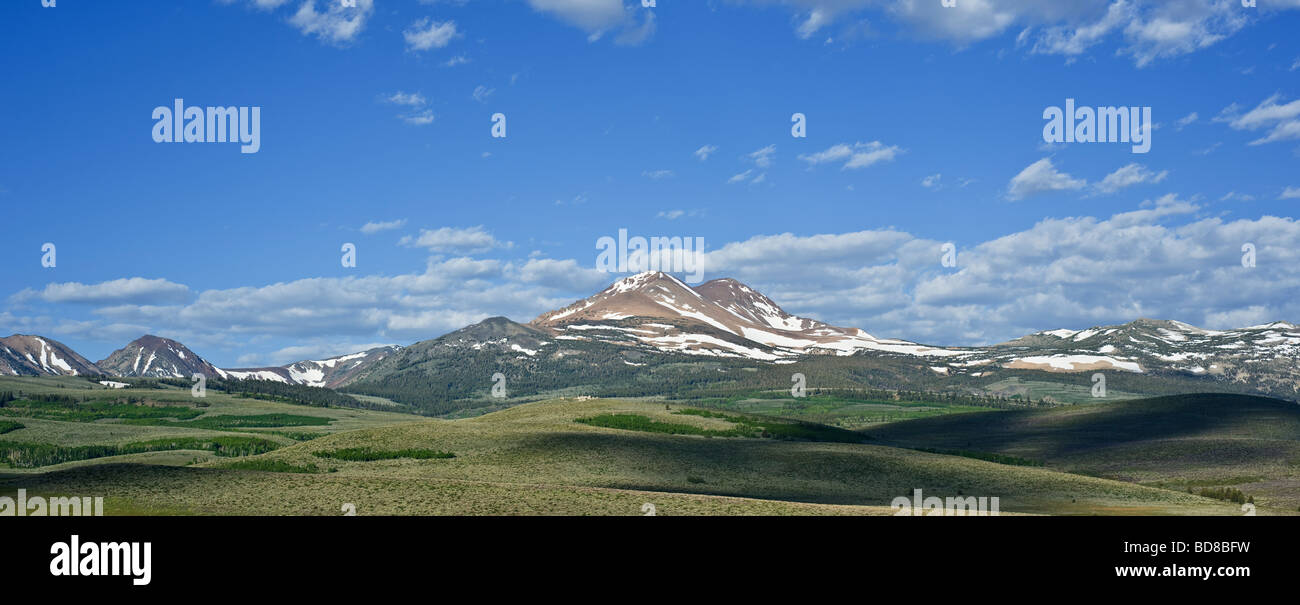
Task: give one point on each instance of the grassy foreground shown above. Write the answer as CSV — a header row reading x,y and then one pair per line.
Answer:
x,y
539,459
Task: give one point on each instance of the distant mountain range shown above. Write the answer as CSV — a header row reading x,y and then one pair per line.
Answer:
x,y
651,320
156,357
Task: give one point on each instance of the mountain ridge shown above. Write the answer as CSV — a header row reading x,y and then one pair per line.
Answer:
x,y
654,313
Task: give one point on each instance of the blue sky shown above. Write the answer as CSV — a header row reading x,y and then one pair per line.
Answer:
x,y
924,127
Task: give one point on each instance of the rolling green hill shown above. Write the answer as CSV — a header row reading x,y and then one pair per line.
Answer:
x,y
1197,441
567,457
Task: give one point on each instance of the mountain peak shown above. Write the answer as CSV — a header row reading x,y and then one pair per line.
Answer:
x,y
31,355
646,279
750,304
157,357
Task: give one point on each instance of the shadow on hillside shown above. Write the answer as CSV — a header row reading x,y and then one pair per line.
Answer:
x,y
1051,434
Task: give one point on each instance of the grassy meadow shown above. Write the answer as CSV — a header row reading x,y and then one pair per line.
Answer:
x,y
624,457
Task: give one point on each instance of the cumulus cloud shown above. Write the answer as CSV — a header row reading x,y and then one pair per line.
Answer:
x,y
1041,177
134,289
336,24
452,239
373,227
1062,272
705,151
426,34
598,17
1160,260
1128,176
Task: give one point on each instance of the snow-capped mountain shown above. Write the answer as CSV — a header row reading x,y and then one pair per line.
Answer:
x,y
156,357
24,355
1263,352
650,319
151,356
336,371
722,318
726,318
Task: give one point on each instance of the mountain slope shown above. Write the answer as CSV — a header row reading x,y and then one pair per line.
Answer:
x,y
721,318
1251,443
26,355
156,357
652,335
336,371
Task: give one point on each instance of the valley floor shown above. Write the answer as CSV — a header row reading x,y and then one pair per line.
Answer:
x,y
566,457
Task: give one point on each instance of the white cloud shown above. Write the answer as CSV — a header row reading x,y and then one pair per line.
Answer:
x,y
1233,196
452,239
373,227
590,15
413,99
418,114
134,289
763,157
1281,120
337,24
1146,30
1041,177
418,118
1073,41
1060,272
564,274
1128,176
426,34
745,176
1184,121
932,181
598,17
673,215
1290,193
855,156
704,152
658,174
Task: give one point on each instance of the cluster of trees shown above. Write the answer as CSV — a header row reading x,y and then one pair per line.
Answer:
x,y
272,390
31,455
1230,494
